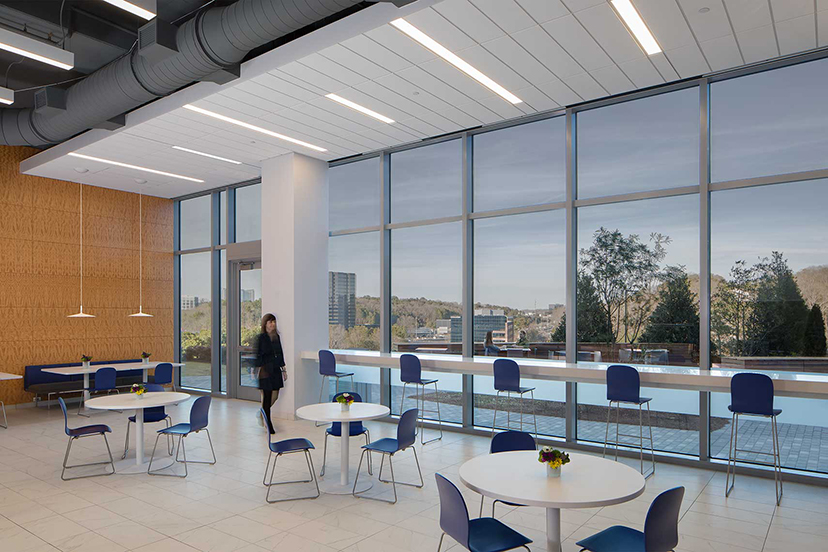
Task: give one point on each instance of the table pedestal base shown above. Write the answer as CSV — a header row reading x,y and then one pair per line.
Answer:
x,y
553,530
337,488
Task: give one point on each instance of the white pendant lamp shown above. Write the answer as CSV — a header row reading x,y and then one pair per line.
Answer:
x,y
81,314
140,313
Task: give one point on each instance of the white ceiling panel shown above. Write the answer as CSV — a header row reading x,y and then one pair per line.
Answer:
x,y
578,5
666,22
722,53
822,26
796,35
535,98
376,53
586,86
344,57
662,64
748,14
440,29
791,9
507,14
569,33
457,80
418,77
758,44
560,92
822,5
544,10
545,49
397,42
469,19
602,23
483,60
642,72
329,68
515,56
613,79
688,60
708,25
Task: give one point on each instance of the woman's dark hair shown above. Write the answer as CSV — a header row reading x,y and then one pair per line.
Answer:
x,y
489,340
267,318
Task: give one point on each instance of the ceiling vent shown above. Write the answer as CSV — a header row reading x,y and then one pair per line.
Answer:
x,y
50,101
156,41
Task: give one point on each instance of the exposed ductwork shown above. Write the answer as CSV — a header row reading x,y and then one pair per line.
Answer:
x,y
217,38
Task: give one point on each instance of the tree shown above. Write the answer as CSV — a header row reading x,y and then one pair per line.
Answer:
x,y
780,313
732,310
813,340
591,321
624,270
676,317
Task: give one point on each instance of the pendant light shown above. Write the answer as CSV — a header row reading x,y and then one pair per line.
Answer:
x,y
140,313
81,314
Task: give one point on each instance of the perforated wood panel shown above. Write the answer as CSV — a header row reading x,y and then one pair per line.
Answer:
x,y
40,273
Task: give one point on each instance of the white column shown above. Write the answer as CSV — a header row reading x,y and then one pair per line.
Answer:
x,y
295,268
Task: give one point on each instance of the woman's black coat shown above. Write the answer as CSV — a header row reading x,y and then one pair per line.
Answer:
x,y
270,359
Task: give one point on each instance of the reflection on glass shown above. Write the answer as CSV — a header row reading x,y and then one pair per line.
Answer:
x,y
522,165
450,388
640,145
523,309
354,195
249,213
196,309
250,318
769,123
195,222
366,383
353,291
425,182
769,273
426,289
546,404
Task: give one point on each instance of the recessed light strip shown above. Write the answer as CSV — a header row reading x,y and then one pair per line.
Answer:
x,y
455,60
210,155
6,96
133,8
631,18
25,46
361,109
136,167
248,126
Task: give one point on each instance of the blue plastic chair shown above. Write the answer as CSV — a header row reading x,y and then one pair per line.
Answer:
x,y
509,441
163,375
77,433
198,422
660,529
151,416
752,395
477,535
411,373
507,380
279,448
355,429
406,437
624,387
327,369
105,380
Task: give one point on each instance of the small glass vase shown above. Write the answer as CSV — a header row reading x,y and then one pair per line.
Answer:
x,y
553,472
85,364
345,406
145,360
140,395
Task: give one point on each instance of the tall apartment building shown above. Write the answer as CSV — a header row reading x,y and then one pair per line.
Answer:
x,y
342,299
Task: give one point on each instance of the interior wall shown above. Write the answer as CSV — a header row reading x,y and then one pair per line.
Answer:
x,y
40,273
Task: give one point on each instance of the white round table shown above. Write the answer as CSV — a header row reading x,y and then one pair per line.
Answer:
x,y
586,482
131,401
332,412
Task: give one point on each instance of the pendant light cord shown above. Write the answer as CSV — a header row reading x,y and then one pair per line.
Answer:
x,y
140,253
81,247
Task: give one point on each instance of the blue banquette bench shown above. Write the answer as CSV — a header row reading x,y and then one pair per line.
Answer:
x,y
36,381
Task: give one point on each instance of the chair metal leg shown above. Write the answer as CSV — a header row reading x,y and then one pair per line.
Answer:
x,y
5,420
66,466
440,544
181,448
324,456
271,484
419,471
731,454
652,445
617,416
534,415
482,499
439,416
777,461
494,418
606,436
212,450
126,440
402,399
370,463
321,391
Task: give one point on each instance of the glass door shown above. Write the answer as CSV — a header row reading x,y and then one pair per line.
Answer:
x,y
244,320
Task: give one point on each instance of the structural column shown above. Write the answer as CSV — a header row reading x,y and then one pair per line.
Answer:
x,y
295,268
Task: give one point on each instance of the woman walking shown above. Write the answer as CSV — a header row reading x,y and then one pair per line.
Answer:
x,y
271,362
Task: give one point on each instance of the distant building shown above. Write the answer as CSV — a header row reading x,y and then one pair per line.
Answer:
x,y
443,326
342,299
189,302
485,320
248,295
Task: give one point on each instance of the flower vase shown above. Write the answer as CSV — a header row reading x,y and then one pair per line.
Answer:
x,y
346,407
553,472
145,361
85,364
140,395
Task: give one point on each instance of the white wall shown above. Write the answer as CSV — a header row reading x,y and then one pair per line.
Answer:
x,y
295,268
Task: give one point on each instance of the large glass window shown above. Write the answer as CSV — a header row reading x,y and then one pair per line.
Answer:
x,y
353,291
770,123
194,226
638,304
249,213
769,268
425,182
354,195
640,145
196,321
522,165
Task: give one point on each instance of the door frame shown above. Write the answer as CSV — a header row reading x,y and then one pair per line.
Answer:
x,y
234,268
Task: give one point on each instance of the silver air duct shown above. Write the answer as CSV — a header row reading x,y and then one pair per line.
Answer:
x,y
214,40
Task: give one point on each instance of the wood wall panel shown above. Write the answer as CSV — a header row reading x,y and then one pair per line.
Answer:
x,y
40,273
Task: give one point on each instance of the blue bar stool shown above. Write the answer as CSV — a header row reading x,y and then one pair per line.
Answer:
x,y
105,380
77,433
507,380
752,395
411,374
508,441
327,368
478,535
660,529
163,375
406,437
624,387
198,422
151,416
356,429
288,446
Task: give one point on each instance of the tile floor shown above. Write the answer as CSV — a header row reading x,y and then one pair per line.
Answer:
x,y
221,508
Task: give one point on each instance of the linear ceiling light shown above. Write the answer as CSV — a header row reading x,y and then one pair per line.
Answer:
x,y
135,7
252,127
6,96
629,15
136,167
210,155
23,45
361,109
452,58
